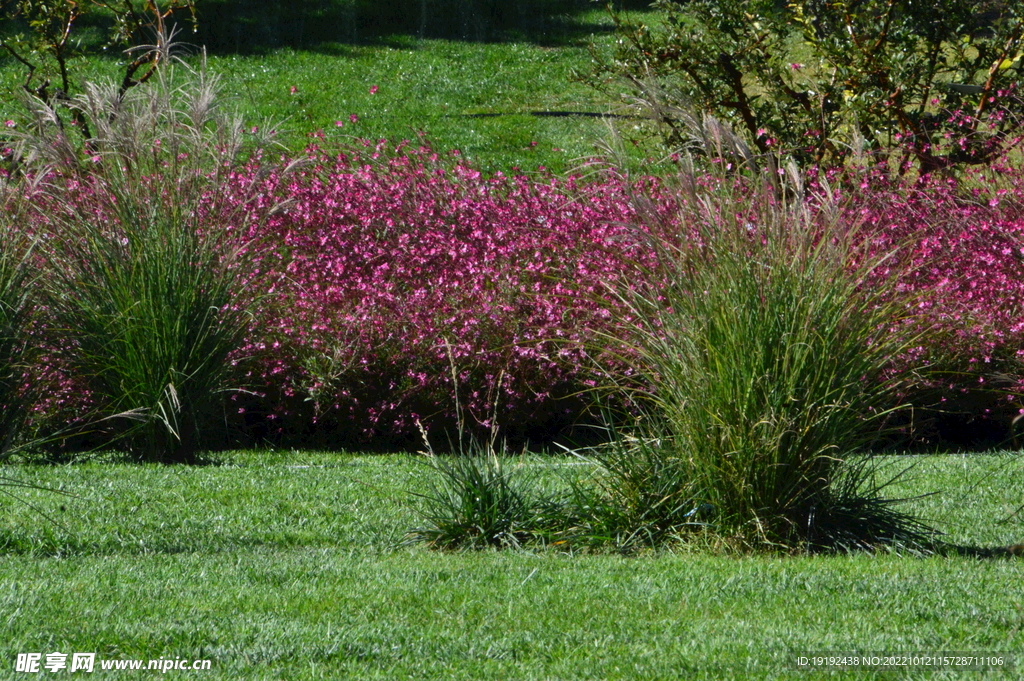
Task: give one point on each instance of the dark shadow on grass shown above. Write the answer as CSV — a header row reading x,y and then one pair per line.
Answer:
x,y
328,26
226,26
229,26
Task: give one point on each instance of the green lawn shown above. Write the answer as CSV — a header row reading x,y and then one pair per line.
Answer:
x,y
434,86
289,566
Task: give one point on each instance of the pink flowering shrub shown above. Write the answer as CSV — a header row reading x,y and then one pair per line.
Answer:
x,y
962,250
403,290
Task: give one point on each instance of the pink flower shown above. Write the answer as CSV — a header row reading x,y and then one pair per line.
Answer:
x,y
354,118
340,124
10,124
292,90
373,90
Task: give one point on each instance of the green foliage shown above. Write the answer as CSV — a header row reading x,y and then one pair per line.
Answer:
x,y
763,344
822,80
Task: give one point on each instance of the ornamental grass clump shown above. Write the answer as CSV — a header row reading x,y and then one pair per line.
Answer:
x,y
638,498
17,312
144,258
765,369
148,298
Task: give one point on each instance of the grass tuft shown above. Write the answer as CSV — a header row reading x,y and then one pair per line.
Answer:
x,y
476,501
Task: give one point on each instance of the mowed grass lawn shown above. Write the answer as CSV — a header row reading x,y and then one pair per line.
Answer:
x,y
431,86
290,566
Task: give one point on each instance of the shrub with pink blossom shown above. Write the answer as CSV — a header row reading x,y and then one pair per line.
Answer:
x,y
963,252
407,289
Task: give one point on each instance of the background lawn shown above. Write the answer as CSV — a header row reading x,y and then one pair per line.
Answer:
x,y
288,565
439,86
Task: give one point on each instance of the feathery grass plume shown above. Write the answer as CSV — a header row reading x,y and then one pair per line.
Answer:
x,y
17,312
145,253
764,359
686,130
